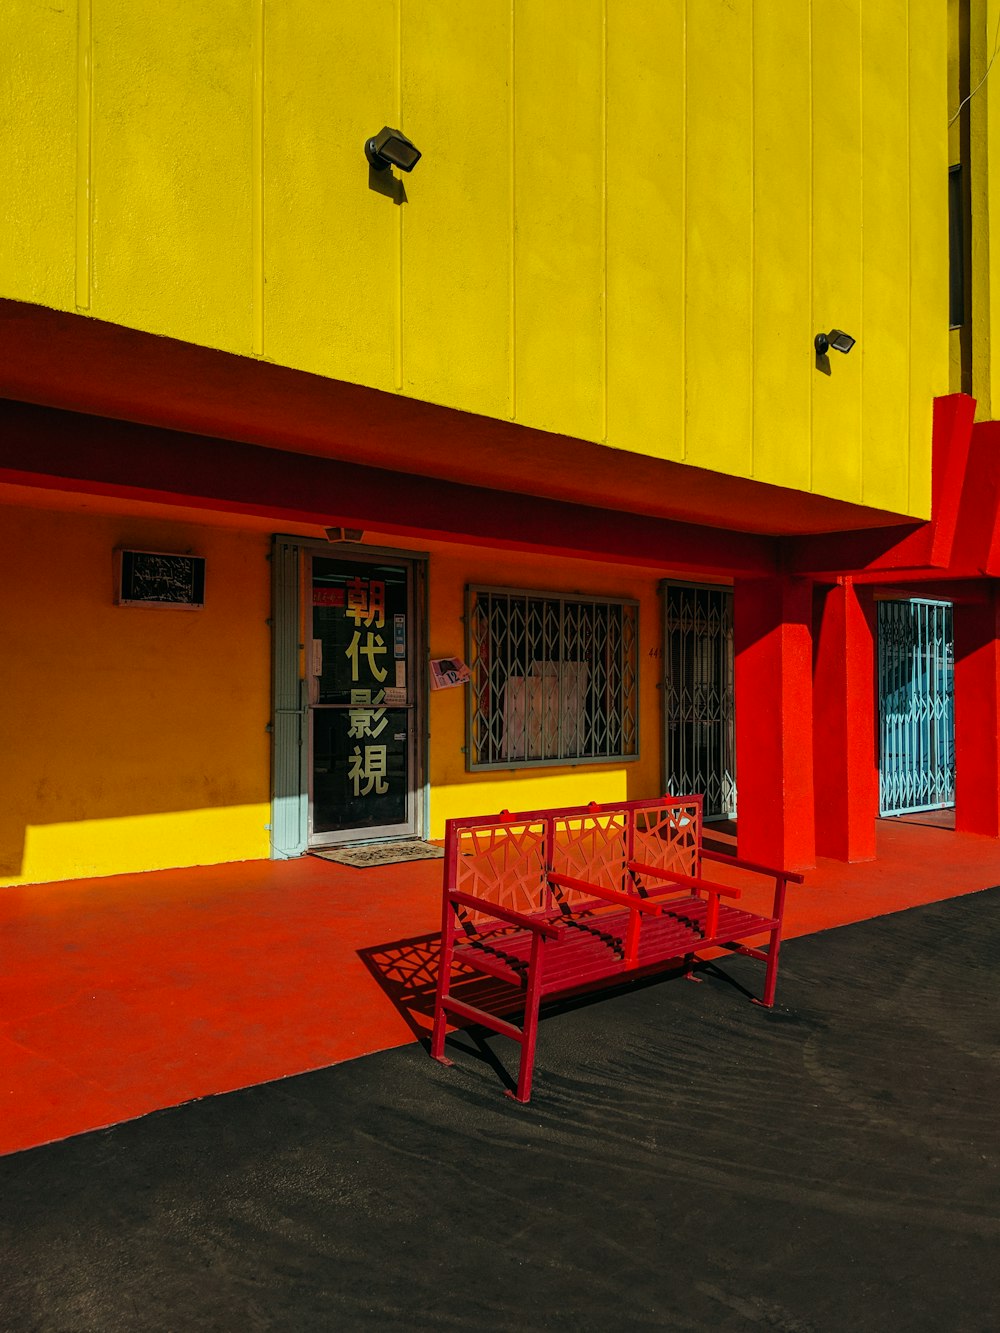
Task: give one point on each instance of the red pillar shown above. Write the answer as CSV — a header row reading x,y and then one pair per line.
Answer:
x,y
844,740
774,732
977,717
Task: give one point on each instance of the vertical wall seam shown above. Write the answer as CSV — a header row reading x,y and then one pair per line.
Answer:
x,y
398,330
684,238
909,273
604,219
84,153
257,180
753,234
812,251
512,220
861,284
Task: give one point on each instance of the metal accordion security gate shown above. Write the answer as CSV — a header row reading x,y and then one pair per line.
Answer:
x,y
698,694
916,706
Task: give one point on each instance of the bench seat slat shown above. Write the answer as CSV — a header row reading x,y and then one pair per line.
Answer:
x,y
571,949
485,962
577,956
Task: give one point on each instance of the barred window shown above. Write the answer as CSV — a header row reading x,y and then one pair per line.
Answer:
x,y
554,679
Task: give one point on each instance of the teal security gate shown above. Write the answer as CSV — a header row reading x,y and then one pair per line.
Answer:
x,y
916,706
699,748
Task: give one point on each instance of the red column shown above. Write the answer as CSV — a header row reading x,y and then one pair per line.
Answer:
x,y
977,717
846,775
774,734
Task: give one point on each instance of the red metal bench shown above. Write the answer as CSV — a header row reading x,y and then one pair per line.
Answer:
x,y
549,903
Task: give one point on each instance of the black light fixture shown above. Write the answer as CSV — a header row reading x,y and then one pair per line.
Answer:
x,y
837,338
390,148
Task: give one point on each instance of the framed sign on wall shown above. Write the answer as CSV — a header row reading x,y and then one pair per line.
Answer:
x,y
159,579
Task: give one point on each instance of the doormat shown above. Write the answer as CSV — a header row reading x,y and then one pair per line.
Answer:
x,y
382,854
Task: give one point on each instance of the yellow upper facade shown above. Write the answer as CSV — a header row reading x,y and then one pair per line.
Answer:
x,y
630,219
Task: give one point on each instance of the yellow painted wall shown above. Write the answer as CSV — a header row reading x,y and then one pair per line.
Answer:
x,y
132,739
628,224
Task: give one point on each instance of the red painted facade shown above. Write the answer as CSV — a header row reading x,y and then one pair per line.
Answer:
x,y
69,451
844,723
977,716
774,704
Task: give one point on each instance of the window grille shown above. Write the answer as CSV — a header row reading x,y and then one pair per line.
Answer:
x,y
916,677
554,679
700,750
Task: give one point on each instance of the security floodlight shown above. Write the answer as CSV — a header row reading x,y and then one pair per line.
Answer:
x,y
837,338
389,148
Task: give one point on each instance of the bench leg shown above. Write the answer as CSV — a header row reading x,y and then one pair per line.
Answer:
x,y
529,1032
444,975
526,1068
438,1035
771,975
690,959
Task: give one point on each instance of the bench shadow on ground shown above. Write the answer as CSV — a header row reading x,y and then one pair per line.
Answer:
x,y
407,971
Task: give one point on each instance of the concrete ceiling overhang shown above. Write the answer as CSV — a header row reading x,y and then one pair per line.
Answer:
x,y
51,450
73,362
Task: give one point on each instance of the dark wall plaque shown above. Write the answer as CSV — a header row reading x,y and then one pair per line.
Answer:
x,y
156,578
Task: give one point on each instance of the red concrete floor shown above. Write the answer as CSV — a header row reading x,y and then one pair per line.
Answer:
x,y
121,996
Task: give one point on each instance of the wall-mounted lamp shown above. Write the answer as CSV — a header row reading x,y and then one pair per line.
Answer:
x,y
389,148
344,534
837,338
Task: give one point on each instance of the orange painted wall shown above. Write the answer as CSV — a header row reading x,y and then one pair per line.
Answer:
x,y
132,739
135,739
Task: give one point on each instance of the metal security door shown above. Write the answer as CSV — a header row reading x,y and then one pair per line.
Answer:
x,y
698,713
916,658
362,684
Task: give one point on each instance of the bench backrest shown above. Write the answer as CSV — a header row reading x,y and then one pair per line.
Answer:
x,y
504,858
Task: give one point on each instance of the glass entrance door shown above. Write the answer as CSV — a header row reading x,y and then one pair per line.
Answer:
x,y
361,660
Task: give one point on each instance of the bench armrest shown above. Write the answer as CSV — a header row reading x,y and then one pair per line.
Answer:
x,y
792,876
502,913
687,881
609,895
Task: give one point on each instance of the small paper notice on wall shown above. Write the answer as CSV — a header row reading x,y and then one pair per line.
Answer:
x,y
447,672
401,675
317,657
398,637
394,698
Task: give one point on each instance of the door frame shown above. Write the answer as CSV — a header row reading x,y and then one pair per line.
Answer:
x,y
291,710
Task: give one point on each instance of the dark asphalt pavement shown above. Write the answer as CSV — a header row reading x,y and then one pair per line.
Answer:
x,y
688,1161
